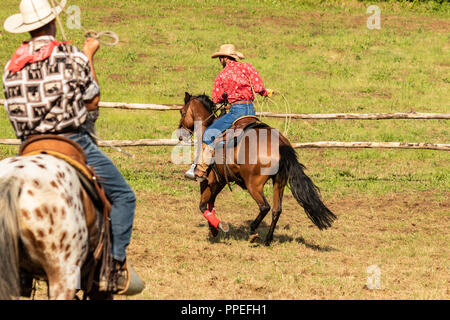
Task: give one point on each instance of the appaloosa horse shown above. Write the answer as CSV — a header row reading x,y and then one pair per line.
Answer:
x,y
43,228
269,149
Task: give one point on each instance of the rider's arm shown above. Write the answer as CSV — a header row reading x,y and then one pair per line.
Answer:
x,y
92,99
92,105
257,83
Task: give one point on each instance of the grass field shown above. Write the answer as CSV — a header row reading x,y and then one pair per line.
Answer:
x,y
393,205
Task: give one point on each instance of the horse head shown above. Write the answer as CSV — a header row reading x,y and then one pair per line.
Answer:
x,y
197,111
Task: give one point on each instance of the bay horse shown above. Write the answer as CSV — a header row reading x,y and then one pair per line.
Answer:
x,y
250,175
44,232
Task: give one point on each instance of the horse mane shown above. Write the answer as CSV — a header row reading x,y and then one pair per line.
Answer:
x,y
207,102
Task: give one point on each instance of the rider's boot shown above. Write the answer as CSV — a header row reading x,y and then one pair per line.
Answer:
x,y
198,172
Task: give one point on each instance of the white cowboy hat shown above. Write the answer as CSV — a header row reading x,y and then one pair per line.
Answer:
x,y
33,15
228,50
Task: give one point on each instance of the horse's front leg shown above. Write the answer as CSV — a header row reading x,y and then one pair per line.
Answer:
x,y
209,190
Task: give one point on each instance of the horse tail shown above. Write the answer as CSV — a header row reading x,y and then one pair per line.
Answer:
x,y
9,239
303,189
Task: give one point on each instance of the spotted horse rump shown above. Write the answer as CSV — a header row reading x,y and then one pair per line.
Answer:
x,y
42,224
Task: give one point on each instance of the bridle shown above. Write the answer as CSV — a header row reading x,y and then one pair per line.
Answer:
x,y
183,115
184,112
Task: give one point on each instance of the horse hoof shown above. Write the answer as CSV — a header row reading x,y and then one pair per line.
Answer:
x,y
224,226
253,237
213,233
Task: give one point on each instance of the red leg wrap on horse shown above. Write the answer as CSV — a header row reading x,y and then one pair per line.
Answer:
x,y
211,217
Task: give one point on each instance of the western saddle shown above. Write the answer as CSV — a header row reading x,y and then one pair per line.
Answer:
x,y
232,136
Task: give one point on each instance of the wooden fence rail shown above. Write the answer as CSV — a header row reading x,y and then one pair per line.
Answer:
x,y
319,144
311,116
359,116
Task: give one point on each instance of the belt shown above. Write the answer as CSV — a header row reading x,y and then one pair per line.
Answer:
x,y
68,133
62,133
242,102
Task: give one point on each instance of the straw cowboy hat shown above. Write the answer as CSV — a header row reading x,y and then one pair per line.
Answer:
x,y
228,50
33,15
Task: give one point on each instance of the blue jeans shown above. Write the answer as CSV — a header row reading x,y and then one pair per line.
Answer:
x,y
120,194
225,122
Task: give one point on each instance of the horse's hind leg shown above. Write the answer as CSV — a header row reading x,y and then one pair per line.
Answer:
x,y
278,190
256,190
62,283
60,262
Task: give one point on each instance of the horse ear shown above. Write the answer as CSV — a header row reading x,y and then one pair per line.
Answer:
x,y
187,97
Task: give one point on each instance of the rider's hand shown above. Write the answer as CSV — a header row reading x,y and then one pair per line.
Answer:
x,y
90,47
269,93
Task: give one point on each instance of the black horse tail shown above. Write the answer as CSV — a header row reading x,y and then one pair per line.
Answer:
x,y
303,189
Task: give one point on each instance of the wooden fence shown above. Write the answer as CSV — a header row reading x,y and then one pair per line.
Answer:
x,y
319,144
360,116
306,116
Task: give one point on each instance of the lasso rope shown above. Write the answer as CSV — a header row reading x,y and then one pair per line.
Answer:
x,y
87,33
99,35
266,104
95,35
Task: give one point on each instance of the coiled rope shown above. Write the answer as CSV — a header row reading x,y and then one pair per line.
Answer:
x,y
95,35
87,33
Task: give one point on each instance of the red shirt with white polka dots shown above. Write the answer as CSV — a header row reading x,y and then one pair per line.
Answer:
x,y
237,80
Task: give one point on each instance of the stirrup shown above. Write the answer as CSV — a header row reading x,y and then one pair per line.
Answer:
x,y
128,281
190,174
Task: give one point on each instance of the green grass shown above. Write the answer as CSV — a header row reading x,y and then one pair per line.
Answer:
x,y
320,56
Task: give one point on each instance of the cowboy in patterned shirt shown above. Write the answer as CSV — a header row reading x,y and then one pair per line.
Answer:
x,y
236,84
50,87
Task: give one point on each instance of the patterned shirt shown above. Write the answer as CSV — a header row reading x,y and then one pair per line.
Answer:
x,y
47,96
237,80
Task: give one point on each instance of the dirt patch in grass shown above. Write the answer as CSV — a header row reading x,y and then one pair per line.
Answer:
x,y
298,47
414,24
317,73
318,20
375,94
141,80
143,56
118,17
117,77
178,68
